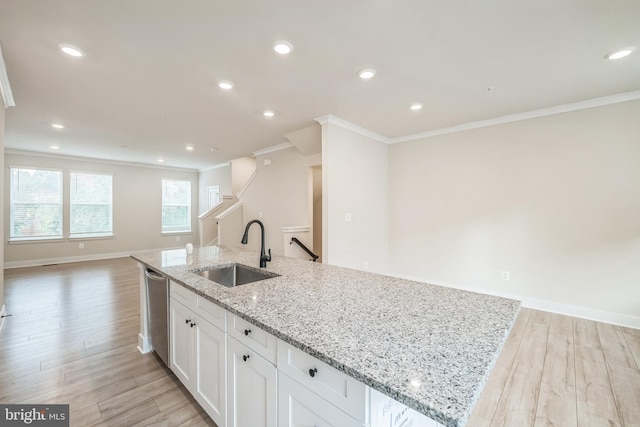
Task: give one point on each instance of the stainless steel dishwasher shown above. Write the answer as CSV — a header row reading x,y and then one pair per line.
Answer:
x,y
158,312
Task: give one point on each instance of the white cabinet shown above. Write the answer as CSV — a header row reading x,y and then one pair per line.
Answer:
x,y
337,388
299,406
181,342
210,370
251,388
255,338
235,379
198,358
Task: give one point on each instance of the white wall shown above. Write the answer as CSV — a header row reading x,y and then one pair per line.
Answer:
x,y
137,200
554,200
220,176
281,192
241,171
2,198
355,181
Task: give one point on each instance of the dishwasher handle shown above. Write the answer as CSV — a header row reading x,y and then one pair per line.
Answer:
x,y
152,274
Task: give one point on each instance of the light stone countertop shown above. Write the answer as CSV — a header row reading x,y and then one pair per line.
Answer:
x,y
428,347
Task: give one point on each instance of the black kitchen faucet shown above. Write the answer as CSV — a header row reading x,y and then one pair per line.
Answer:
x,y
263,256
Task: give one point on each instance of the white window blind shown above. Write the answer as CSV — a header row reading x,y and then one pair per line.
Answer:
x,y
91,205
176,206
36,204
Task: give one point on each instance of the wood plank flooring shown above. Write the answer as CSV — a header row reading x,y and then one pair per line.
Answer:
x,y
72,338
563,371
73,332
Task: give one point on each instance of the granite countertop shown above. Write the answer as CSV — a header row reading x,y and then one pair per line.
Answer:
x,y
428,347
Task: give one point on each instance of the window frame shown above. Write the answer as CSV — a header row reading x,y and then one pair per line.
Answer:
x,y
89,235
189,226
39,238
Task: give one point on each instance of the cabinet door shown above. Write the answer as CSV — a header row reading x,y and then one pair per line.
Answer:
x,y
252,388
210,370
299,406
182,335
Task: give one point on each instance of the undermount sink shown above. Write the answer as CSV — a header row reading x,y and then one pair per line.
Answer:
x,y
231,275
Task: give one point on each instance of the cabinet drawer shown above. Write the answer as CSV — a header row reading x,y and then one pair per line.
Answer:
x,y
298,406
183,295
253,337
336,387
212,312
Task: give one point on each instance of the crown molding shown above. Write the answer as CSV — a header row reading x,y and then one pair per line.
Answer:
x,y
352,127
5,87
542,112
273,148
218,166
92,160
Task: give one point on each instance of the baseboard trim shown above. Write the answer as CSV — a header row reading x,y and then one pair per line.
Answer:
x,y
545,305
65,260
583,312
144,346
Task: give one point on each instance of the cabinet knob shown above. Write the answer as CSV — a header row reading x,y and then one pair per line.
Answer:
x,y
245,357
247,332
193,324
313,372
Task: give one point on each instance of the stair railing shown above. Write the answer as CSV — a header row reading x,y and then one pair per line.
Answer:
x,y
313,256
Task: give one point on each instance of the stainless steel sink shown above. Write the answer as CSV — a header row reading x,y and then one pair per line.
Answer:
x,y
231,275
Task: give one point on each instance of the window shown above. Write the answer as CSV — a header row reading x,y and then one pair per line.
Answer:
x,y
176,206
36,204
91,212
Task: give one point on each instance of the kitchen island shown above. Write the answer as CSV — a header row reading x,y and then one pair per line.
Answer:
x,y
428,347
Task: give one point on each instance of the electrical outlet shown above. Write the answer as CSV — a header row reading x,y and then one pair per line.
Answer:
x,y
177,238
348,217
366,265
81,245
505,275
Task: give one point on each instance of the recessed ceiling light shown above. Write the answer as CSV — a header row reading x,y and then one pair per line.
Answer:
x,y
620,53
190,147
72,50
54,147
269,113
416,106
160,160
213,149
367,73
57,126
283,47
225,85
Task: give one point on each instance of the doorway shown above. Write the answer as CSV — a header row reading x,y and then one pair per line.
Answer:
x,y
214,196
316,208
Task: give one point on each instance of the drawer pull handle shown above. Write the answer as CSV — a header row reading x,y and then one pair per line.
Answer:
x,y
247,332
187,321
245,357
193,324
313,372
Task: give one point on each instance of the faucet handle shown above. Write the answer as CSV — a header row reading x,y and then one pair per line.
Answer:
x,y
268,257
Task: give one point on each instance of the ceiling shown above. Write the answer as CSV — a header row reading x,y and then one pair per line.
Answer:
x,y
148,84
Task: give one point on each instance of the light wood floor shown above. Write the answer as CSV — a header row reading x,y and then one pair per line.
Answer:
x,y
72,338
73,332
